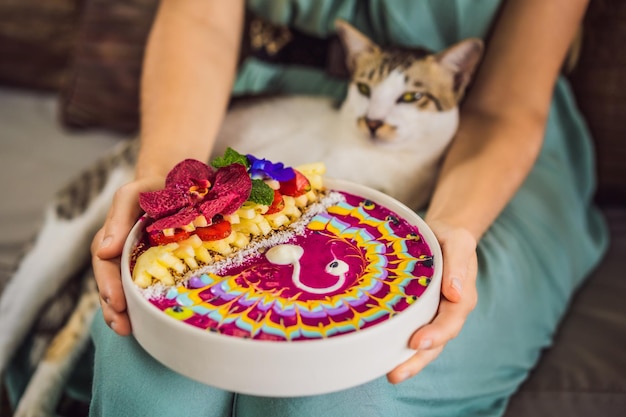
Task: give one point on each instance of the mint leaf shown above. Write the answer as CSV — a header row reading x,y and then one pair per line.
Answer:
x,y
261,193
230,157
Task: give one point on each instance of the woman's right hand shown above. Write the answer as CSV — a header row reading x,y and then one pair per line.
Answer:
x,y
106,250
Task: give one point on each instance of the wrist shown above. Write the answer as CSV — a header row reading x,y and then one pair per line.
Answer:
x,y
157,155
447,223
453,235
151,169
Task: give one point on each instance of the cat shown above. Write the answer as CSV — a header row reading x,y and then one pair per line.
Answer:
x,y
390,133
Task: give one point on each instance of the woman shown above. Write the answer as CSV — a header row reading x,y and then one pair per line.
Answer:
x,y
511,208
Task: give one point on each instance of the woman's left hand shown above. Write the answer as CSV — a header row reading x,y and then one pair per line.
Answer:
x,y
458,299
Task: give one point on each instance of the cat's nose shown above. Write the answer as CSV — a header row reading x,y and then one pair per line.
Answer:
x,y
373,125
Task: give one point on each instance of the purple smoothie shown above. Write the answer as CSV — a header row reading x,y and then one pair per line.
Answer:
x,y
354,265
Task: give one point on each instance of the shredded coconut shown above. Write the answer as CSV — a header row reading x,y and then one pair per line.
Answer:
x,y
156,290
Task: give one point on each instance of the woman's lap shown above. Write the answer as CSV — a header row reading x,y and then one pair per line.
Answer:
x,y
530,262
129,382
476,372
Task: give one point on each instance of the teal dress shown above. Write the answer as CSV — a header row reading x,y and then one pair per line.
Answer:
x,y
531,260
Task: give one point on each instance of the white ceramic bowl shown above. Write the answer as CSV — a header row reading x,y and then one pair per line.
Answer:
x,y
282,368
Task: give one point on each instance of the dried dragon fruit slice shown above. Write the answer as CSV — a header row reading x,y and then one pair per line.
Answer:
x,y
193,188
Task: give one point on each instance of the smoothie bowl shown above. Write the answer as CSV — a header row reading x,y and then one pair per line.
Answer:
x,y
314,288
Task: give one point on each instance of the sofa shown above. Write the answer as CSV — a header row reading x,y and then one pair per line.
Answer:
x,y
68,92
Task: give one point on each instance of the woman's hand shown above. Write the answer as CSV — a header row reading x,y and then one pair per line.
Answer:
x,y
106,249
458,299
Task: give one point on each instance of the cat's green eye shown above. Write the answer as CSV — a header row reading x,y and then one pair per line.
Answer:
x,y
363,89
410,97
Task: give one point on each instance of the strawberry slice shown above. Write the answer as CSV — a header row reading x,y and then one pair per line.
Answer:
x,y
296,186
218,230
158,238
277,204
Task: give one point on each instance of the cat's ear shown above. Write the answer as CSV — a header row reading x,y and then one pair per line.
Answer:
x,y
462,58
354,42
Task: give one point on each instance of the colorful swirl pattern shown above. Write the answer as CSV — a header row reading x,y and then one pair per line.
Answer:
x,y
355,265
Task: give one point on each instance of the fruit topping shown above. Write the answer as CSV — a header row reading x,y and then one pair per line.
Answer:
x,y
208,212
160,238
220,229
296,186
193,189
277,204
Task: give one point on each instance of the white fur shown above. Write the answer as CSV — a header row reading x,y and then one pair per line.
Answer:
x,y
298,130
383,98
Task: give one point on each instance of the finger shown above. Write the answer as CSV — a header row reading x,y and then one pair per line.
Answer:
x,y
413,365
121,217
446,326
118,322
112,300
458,251
108,279
450,317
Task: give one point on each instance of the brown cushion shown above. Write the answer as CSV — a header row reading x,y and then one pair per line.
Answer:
x,y
599,82
102,88
36,38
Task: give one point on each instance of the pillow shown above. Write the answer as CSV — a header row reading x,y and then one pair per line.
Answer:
x,y
102,86
599,83
36,38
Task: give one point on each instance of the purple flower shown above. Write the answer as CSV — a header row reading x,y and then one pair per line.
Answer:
x,y
264,169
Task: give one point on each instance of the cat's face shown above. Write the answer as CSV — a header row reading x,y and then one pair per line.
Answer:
x,y
401,95
395,97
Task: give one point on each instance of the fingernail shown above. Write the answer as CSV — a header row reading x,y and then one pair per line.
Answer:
x,y
425,344
457,285
112,325
106,242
